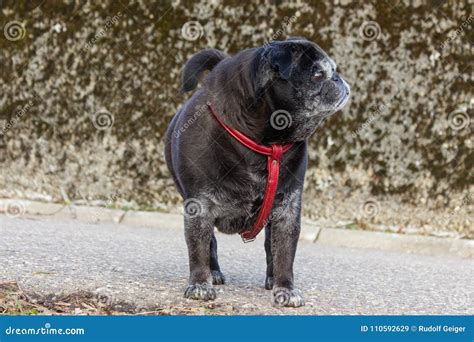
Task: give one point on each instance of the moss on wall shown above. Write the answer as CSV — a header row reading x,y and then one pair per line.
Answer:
x,y
87,90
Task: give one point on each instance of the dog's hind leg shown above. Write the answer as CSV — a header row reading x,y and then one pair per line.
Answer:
x,y
268,252
217,276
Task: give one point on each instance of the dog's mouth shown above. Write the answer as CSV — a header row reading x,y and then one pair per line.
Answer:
x,y
343,98
343,101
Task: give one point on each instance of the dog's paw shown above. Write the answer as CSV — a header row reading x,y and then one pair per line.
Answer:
x,y
218,278
200,292
268,283
286,297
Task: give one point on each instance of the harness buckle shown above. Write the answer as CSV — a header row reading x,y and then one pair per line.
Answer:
x,y
247,240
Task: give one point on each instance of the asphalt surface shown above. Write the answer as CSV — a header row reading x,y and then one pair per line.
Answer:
x,y
148,267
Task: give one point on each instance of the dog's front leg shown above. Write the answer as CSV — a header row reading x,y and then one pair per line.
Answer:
x,y
285,232
198,234
269,257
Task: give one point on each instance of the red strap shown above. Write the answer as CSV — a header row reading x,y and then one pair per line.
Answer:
x,y
275,153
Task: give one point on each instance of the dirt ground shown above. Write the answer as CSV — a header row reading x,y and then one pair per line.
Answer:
x,y
15,301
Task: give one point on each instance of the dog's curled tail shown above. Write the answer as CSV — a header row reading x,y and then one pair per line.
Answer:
x,y
197,64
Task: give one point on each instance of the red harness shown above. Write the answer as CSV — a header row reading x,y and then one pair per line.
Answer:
x,y
274,153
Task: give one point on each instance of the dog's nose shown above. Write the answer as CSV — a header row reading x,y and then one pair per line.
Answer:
x,y
335,77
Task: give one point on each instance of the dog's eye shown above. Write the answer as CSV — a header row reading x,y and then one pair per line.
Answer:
x,y
317,76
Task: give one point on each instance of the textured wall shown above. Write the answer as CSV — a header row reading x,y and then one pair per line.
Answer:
x,y
87,90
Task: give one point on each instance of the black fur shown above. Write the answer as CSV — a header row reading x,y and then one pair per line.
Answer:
x,y
197,64
221,181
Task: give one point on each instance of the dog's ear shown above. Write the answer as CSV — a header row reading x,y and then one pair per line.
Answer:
x,y
281,59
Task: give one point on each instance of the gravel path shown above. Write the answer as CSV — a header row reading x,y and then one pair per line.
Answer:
x,y
147,268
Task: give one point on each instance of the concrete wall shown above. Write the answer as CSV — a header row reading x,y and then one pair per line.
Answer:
x,y
87,91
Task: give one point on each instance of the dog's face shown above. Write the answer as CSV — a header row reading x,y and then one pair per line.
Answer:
x,y
303,81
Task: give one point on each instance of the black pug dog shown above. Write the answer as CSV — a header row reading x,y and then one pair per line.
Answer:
x,y
276,94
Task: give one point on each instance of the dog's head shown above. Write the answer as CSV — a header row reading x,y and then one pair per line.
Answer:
x,y
301,86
